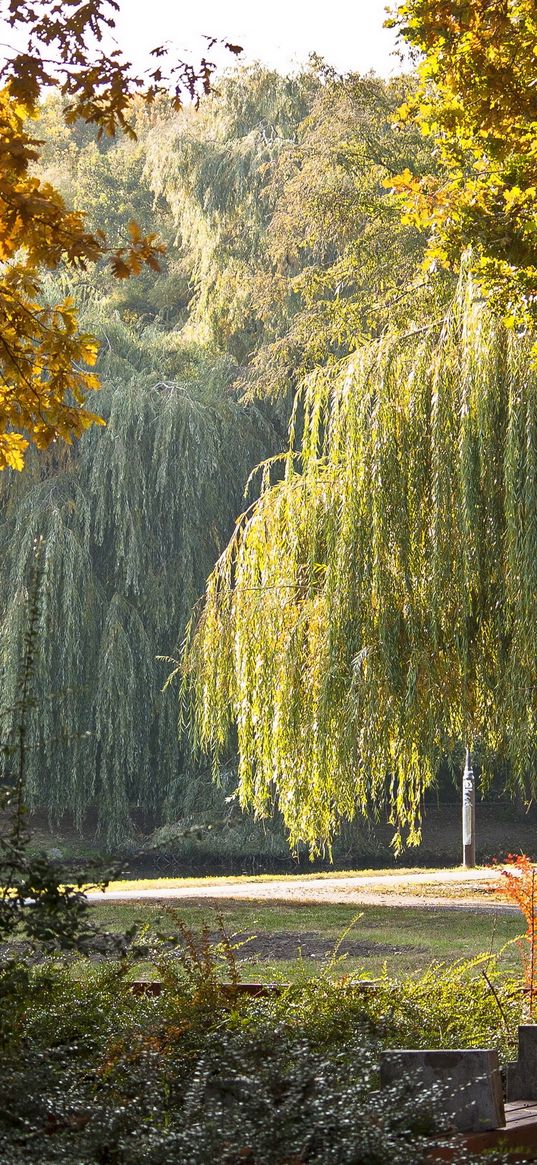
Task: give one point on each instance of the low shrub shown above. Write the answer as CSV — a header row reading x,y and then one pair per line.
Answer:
x,y
93,1074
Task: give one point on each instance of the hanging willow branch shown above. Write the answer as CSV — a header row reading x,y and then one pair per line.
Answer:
x,y
379,604
132,525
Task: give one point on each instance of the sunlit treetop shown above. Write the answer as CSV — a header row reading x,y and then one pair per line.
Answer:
x,y
477,99
45,361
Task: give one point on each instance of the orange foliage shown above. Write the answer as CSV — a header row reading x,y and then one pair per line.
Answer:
x,y
518,885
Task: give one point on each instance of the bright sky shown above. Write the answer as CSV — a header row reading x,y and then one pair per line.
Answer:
x,y
348,34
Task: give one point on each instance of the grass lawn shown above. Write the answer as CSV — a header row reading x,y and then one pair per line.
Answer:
x,y
294,940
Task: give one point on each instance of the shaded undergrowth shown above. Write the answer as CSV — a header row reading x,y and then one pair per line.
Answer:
x,y
94,1073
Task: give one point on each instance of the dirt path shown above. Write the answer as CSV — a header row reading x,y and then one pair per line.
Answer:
x,y
463,889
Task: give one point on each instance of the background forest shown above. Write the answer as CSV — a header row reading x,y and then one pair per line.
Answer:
x,y
285,251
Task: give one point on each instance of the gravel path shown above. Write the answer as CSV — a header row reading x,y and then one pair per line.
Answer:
x,y
367,890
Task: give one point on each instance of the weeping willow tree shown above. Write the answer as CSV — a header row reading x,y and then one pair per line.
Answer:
x,y
295,249
213,169
131,526
377,607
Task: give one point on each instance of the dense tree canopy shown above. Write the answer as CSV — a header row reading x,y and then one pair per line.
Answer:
x,y
339,260
394,563
285,258
45,358
294,247
130,540
131,526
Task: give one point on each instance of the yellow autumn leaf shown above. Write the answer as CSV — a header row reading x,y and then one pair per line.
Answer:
x,y
12,447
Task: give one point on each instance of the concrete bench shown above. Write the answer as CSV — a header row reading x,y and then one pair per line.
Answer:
x,y
466,1084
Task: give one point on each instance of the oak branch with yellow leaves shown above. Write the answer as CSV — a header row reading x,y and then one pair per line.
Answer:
x,y
477,102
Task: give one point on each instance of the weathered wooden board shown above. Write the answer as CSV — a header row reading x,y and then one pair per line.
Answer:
x,y
519,1133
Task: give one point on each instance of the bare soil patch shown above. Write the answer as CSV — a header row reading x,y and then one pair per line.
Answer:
x,y
292,944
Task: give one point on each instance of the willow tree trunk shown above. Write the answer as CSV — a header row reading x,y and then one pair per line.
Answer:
x,y
468,813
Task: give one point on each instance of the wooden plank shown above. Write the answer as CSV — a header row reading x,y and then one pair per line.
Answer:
x,y
519,1135
230,990
155,987
520,1111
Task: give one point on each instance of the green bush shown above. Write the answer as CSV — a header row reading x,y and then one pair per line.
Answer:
x,y
93,1074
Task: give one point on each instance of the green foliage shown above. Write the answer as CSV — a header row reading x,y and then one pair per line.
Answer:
x,y
94,1073
283,253
43,381
45,357
43,907
106,180
214,171
131,527
463,1005
340,266
377,605
295,248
